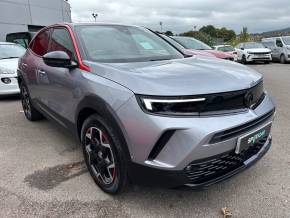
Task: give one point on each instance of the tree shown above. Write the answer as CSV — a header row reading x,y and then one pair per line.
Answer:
x,y
209,30
244,35
168,33
225,34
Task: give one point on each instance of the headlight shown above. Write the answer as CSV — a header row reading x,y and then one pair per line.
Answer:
x,y
171,105
4,70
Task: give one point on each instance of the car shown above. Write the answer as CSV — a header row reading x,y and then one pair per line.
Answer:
x,y
227,49
185,50
21,38
253,52
280,47
9,55
143,112
194,44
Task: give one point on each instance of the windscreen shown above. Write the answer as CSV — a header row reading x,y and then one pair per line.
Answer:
x,y
192,43
226,49
119,44
286,40
251,45
8,51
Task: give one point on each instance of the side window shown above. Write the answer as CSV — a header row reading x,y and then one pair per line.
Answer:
x,y
61,41
279,43
40,44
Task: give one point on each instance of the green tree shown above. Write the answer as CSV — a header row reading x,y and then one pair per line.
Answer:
x,y
209,30
225,34
168,33
244,35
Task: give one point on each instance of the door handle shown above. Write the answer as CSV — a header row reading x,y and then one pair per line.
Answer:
x,y
24,65
41,72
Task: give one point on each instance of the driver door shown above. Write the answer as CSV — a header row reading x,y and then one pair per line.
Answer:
x,y
62,83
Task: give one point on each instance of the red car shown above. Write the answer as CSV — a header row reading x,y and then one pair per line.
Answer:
x,y
200,48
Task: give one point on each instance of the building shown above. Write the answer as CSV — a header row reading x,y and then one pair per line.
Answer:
x,y
30,15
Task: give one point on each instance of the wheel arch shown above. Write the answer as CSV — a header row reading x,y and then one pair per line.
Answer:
x,y
95,105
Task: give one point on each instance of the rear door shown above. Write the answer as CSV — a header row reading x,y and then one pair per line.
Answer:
x,y
60,84
32,62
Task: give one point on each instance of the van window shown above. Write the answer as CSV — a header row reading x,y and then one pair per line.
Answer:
x,y
279,43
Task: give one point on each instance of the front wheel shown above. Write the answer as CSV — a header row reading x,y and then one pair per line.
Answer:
x,y
104,155
244,60
282,59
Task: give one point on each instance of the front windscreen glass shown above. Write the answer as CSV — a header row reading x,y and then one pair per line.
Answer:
x,y
120,44
251,45
192,43
226,49
286,40
8,51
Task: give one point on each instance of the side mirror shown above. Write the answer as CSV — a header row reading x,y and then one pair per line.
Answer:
x,y
242,48
59,59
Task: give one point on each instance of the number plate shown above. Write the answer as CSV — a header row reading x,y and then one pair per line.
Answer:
x,y
245,141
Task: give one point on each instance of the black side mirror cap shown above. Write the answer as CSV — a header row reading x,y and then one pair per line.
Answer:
x,y
59,59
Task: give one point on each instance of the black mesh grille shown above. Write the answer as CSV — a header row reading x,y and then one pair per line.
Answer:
x,y
202,171
230,133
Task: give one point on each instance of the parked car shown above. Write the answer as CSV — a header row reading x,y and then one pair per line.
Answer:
x,y
143,111
194,44
185,50
280,47
253,52
227,49
21,38
9,55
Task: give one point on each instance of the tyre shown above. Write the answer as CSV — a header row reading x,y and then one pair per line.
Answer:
x,y
31,113
103,154
282,59
244,60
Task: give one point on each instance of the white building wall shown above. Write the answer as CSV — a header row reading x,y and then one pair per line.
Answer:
x,y
16,15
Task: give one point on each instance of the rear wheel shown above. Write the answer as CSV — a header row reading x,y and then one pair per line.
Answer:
x,y
31,113
282,59
104,155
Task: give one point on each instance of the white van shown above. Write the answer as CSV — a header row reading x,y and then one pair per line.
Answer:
x,y
280,47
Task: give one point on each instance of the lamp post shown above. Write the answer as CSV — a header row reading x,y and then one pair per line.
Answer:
x,y
160,23
95,15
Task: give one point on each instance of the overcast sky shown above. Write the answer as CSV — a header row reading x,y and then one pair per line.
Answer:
x,y
182,15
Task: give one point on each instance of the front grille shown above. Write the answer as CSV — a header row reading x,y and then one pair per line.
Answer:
x,y
239,130
206,170
235,100
259,53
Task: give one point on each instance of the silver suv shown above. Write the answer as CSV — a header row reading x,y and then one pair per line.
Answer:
x,y
280,47
143,111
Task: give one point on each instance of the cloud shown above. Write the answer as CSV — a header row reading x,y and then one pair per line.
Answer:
x,y
179,16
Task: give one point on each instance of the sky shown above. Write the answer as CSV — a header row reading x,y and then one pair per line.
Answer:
x,y
183,15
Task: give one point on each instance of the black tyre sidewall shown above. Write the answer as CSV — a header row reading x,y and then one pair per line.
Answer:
x,y
119,157
282,59
35,114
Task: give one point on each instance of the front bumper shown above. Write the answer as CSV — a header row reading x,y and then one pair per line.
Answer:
x,y
259,57
9,89
165,178
191,141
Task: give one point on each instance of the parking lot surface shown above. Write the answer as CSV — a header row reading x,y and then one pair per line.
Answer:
x,y
42,173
